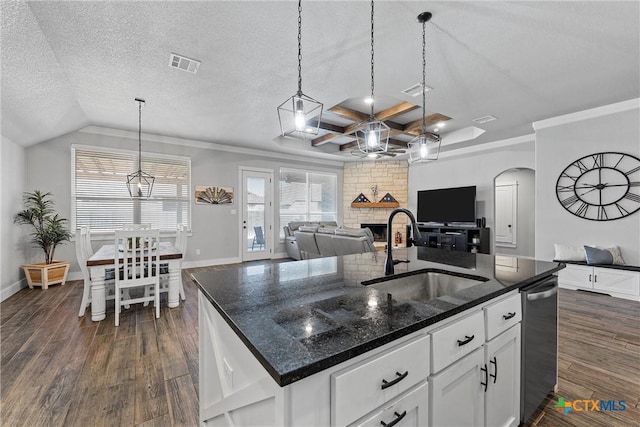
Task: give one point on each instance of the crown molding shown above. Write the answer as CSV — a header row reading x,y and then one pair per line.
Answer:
x,y
588,114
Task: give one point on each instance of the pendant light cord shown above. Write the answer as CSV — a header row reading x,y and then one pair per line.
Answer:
x,y
140,136
424,78
299,47
372,80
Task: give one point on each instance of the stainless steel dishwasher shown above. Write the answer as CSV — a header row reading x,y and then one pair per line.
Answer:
x,y
539,344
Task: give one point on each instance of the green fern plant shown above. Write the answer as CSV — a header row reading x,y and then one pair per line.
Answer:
x,y
48,228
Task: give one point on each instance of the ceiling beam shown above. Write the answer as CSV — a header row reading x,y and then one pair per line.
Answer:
x,y
321,140
396,110
348,146
327,126
431,119
348,113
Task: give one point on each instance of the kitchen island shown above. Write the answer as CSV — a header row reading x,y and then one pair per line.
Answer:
x,y
296,343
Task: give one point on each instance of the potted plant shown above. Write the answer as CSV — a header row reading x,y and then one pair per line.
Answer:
x,y
48,231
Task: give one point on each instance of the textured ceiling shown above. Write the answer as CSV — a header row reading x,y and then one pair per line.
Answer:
x,y
66,65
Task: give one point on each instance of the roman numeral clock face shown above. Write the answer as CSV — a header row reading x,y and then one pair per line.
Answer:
x,y
601,186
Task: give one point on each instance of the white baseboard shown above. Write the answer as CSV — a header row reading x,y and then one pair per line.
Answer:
x,y
75,275
12,289
280,255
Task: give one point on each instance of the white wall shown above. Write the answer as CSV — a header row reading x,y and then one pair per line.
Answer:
x,y
12,178
215,228
478,168
525,231
561,141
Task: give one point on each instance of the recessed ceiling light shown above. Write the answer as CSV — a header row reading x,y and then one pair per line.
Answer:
x,y
485,119
368,100
441,124
372,155
309,130
436,129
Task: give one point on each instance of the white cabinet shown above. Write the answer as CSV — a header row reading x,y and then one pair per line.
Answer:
x,y
359,389
612,281
483,387
502,398
457,394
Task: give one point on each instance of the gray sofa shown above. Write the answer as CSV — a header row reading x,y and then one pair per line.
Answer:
x,y
324,240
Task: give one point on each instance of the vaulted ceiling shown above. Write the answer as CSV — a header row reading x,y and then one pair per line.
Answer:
x,y
67,65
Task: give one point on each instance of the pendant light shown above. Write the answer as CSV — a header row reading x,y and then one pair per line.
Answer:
x,y
373,135
140,183
295,113
426,146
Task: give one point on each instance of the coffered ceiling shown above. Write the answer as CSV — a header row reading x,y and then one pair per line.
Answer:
x,y
67,65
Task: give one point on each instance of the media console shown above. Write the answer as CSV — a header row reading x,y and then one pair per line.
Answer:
x,y
454,238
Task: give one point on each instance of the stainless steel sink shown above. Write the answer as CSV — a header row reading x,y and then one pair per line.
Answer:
x,y
425,286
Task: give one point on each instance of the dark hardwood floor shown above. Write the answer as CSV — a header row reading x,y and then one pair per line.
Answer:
x,y
61,370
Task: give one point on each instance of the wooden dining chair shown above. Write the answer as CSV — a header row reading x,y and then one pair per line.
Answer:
x,y
84,251
138,253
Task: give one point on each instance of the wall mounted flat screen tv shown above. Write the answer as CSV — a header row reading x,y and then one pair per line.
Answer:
x,y
447,205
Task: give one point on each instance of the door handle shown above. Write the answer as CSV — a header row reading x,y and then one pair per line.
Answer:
x,y
467,340
395,421
589,277
486,377
399,378
494,362
544,294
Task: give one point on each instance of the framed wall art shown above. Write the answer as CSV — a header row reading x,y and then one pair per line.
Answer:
x,y
211,195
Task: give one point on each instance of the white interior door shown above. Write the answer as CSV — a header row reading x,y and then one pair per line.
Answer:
x,y
256,240
506,213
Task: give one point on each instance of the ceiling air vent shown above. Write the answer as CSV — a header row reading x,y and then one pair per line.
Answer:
x,y
415,90
484,119
183,63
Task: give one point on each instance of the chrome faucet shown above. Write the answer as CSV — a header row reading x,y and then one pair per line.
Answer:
x,y
389,263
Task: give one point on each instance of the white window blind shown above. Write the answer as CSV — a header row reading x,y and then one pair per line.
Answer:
x,y
307,196
100,198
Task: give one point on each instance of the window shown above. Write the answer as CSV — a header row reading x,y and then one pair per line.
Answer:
x,y
100,198
307,196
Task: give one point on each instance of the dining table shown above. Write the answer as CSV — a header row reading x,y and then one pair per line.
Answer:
x,y
104,259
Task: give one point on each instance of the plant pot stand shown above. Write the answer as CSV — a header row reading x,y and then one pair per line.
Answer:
x,y
43,274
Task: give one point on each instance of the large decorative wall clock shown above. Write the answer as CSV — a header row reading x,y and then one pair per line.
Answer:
x,y
601,186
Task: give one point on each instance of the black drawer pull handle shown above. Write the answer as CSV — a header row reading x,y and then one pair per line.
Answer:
x,y
400,376
494,361
396,420
509,315
467,340
486,377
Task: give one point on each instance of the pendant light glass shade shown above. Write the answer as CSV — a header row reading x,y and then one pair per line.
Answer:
x,y
426,146
139,183
373,137
300,115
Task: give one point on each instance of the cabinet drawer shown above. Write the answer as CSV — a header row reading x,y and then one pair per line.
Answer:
x,y
408,410
355,391
456,340
502,315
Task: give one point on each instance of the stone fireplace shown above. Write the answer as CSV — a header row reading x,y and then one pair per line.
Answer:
x,y
379,231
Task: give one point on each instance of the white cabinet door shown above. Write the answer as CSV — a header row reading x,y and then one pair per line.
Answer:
x,y
457,395
576,276
409,410
502,399
610,280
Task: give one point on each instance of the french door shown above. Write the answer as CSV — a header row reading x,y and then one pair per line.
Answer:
x,y
256,237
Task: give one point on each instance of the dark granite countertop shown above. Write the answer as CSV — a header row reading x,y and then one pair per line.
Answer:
x,y
301,317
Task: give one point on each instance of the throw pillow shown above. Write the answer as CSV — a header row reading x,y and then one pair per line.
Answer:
x,y
308,228
617,255
569,253
598,256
